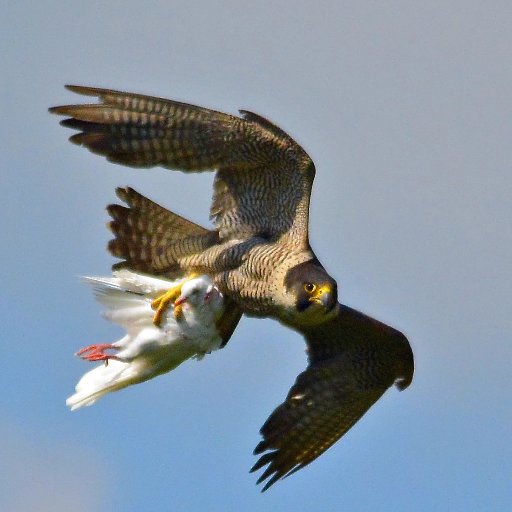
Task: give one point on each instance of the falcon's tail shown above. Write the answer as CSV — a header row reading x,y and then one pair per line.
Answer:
x,y
102,380
152,239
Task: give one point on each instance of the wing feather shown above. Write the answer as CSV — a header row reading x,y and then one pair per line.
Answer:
x,y
353,360
264,180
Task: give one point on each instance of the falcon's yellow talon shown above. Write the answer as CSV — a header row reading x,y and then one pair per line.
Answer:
x,y
161,303
178,312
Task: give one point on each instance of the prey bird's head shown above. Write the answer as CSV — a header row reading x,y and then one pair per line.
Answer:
x,y
199,292
314,291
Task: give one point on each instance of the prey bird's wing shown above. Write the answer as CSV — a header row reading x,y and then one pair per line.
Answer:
x,y
264,177
353,360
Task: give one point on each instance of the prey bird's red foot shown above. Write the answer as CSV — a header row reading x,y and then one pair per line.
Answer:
x,y
97,352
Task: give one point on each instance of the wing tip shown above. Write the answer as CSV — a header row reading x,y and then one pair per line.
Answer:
x,y
262,461
403,382
84,90
405,361
60,110
273,472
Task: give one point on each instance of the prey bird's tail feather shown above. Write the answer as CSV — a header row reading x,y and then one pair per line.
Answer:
x,y
152,239
102,380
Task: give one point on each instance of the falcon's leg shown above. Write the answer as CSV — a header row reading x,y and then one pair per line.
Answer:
x,y
161,303
97,352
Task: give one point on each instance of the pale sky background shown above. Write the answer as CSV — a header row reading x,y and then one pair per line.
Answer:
x,y
406,109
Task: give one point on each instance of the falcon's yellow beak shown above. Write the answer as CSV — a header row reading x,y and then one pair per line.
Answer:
x,y
324,295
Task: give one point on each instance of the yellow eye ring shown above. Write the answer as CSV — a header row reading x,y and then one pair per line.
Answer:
x,y
310,287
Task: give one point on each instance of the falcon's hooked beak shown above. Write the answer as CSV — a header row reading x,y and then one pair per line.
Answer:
x,y
326,296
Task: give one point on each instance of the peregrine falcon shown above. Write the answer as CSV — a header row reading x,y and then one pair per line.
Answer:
x,y
258,254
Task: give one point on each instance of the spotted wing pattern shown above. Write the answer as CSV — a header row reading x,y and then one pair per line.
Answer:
x,y
353,360
264,177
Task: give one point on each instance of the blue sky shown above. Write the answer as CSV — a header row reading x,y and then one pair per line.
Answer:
x,y
405,108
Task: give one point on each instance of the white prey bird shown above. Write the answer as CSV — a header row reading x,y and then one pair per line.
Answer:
x,y
147,350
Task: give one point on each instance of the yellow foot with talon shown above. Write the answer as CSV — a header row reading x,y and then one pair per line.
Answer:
x,y
161,303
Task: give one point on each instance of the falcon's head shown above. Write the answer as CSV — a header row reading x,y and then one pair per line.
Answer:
x,y
314,291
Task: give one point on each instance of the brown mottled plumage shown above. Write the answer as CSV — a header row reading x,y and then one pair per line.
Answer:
x,y
260,204
258,254
353,360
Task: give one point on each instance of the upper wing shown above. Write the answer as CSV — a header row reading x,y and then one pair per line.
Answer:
x,y
352,361
264,180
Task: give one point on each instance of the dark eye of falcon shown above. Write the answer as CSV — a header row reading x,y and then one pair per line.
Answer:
x,y
310,287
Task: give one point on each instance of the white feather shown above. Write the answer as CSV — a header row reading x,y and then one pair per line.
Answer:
x,y
147,350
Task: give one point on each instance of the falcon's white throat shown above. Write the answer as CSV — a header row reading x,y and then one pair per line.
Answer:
x,y
148,350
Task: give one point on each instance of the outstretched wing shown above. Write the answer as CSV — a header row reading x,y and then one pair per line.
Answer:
x,y
264,177
353,360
